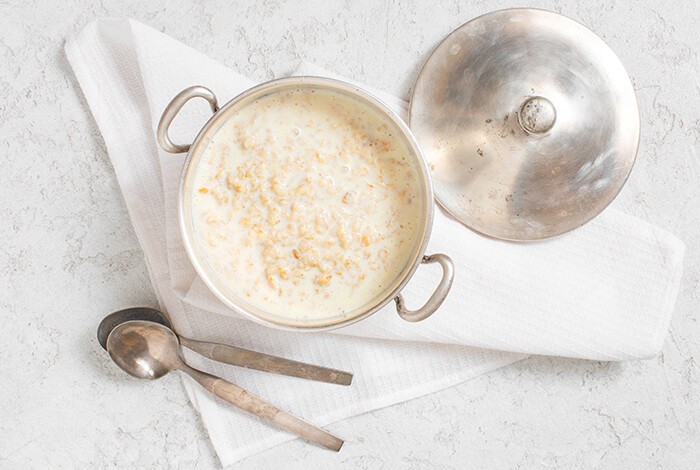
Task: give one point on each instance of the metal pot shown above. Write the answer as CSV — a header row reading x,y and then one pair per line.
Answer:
x,y
195,155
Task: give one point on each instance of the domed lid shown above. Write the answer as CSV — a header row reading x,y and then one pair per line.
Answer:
x,y
529,123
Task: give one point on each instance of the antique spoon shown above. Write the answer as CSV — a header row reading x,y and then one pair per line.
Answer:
x,y
148,350
225,353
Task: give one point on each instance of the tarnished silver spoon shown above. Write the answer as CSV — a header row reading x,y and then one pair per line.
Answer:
x,y
148,350
224,353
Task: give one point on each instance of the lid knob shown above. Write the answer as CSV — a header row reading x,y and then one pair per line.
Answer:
x,y
537,115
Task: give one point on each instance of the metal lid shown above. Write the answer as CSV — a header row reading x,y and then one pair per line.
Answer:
x,y
528,121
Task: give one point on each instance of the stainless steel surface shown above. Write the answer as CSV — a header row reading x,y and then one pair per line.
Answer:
x,y
115,319
174,107
529,123
266,362
537,115
224,353
148,350
186,186
438,296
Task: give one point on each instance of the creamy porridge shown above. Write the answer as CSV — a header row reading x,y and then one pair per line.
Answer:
x,y
307,205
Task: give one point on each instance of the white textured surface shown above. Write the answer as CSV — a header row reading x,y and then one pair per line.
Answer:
x,y
128,72
72,256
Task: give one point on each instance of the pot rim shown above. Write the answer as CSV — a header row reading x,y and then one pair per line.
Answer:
x,y
185,222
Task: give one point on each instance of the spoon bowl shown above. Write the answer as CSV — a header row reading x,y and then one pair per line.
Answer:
x,y
115,319
145,352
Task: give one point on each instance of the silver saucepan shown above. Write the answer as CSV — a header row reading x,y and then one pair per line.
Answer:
x,y
197,152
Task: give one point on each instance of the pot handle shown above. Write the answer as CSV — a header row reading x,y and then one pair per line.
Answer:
x,y
438,297
174,107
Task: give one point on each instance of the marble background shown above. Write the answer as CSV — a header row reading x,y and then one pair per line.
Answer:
x,y
69,254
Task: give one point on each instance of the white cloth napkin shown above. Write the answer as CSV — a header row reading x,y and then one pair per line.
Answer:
x,y
605,291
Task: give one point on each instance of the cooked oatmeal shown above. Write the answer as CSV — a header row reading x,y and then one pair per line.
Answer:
x,y
307,206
